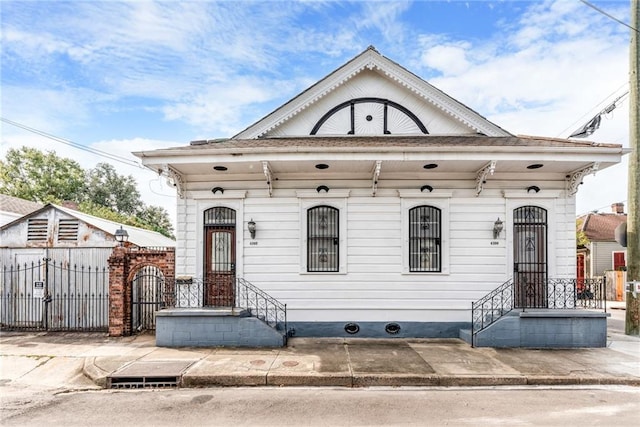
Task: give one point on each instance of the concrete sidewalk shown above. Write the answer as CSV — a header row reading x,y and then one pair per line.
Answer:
x,y
132,361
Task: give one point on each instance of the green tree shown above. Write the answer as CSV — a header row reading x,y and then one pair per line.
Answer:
x,y
105,187
42,177
156,218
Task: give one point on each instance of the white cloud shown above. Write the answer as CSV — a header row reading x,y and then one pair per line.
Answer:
x,y
218,66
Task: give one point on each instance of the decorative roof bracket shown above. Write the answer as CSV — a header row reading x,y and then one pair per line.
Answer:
x,y
574,179
481,179
376,175
269,175
174,178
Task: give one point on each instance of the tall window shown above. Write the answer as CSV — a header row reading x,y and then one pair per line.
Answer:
x,y
425,248
323,239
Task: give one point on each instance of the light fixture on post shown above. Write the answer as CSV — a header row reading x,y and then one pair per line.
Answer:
x,y
497,228
121,236
251,226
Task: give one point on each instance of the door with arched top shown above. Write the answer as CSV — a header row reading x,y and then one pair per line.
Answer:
x,y
219,257
530,257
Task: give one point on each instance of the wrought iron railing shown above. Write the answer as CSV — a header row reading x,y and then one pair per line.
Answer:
x,y
552,294
196,292
488,309
261,305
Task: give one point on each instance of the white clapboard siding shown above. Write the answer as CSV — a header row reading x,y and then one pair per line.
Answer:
x,y
372,285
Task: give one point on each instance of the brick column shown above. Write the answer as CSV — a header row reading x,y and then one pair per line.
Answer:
x,y
118,272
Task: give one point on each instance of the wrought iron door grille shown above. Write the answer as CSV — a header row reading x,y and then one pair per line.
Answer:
x,y
425,254
323,239
530,257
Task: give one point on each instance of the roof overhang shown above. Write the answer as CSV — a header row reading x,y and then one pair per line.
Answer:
x,y
400,157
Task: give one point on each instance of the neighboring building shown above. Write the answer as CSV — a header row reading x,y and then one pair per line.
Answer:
x,y
373,204
12,208
602,252
54,272
68,236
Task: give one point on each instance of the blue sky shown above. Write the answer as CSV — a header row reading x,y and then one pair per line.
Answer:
x,y
125,76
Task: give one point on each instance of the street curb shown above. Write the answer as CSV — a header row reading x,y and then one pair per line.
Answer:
x,y
391,380
94,373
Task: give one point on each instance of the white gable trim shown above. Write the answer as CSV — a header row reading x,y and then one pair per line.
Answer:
x,y
372,60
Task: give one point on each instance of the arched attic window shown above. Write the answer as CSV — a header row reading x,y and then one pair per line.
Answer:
x,y
369,116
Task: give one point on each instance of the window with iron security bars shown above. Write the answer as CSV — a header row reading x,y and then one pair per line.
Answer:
x,y
219,216
37,229
323,239
425,248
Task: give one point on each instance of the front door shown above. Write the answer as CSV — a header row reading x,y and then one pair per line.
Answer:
x,y
530,257
220,257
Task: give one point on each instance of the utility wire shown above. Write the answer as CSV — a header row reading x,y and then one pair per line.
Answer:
x,y
582,118
95,151
608,15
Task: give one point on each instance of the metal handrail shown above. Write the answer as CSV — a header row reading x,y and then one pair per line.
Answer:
x,y
488,309
190,292
262,305
554,294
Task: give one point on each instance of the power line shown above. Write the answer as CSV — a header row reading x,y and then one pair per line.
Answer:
x,y
609,16
582,118
70,143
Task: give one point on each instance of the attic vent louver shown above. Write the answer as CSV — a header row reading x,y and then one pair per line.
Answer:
x,y
37,229
68,230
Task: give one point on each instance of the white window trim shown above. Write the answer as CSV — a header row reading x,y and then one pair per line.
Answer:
x,y
441,203
341,205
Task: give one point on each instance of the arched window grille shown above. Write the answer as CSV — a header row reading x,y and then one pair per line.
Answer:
x,y
219,216
323,239
425,243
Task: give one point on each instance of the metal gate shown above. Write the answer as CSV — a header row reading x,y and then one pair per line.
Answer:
x,y
46,295
147,297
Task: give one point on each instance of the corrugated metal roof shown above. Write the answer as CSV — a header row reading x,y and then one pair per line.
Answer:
x,y
137,236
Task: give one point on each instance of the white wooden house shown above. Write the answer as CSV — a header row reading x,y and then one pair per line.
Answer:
x,y
373,204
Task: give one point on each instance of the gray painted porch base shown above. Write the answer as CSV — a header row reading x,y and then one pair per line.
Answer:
x,y
213,327
377,329
539,328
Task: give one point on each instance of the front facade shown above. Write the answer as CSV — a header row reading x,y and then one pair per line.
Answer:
x,y
374,205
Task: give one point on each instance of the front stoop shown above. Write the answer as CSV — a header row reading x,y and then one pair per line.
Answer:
x,y
544,328
214,327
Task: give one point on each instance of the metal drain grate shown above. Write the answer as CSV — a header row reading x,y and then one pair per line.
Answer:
x,y
148,374
143,382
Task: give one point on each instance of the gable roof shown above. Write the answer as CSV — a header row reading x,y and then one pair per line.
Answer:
x,y
371,59
137,236
17,205
600,227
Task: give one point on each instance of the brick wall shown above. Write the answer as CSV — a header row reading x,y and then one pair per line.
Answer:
x,y
123,264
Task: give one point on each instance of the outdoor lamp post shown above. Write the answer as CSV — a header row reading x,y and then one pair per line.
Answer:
x,y
121,236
